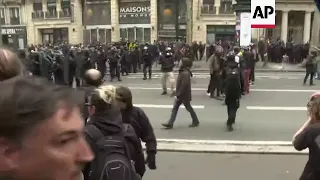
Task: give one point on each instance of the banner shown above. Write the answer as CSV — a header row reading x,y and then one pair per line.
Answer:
x,y
245,29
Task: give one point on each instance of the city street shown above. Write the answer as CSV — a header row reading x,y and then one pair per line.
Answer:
x,y
188,166
273,111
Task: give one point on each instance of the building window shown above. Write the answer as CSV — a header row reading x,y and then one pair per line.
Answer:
x,y
208,7
52,8
14,15
37,10
2,16
66,8
211,2
226,7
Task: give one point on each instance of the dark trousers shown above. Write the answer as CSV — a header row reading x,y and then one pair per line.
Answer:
x,y
114,72
306,77
242,81
232,108
145,67
215,84
252,76
188,107
71,77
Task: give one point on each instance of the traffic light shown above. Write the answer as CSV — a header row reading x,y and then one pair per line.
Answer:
x,y
317,4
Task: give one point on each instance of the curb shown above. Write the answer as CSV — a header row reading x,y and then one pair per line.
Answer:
x,y
229,147
257,70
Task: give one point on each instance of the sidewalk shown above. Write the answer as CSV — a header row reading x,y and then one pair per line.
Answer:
x,y
202,66
191,166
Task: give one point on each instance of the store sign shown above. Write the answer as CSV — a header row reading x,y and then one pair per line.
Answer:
x,y
7,31
134,13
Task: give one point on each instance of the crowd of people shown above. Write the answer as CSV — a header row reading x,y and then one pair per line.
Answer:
x,y
51,131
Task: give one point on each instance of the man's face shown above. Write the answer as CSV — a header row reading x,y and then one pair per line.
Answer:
x,y
54,150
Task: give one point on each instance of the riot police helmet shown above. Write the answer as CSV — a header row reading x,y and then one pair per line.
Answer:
x,y
93,77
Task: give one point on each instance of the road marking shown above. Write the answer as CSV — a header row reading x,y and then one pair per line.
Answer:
x,y
165,106
208,76
225,146
233,142
253,90
274,108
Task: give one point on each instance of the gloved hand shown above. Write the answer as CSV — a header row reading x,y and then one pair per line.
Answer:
x,y
151,161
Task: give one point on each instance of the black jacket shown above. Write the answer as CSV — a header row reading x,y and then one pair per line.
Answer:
x,y
167,63
232,88
183,86
109,123
136,117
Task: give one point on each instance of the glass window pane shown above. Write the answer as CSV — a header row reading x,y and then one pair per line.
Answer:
x,y
93,35
123,33
108,36
65,34
207,1
147,35
102,35
131,34
139,34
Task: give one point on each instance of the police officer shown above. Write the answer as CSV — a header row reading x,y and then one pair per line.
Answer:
x,y
167,63
147,62
114,64
57,70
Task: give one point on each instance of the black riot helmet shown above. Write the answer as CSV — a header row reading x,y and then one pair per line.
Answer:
x,y
93,77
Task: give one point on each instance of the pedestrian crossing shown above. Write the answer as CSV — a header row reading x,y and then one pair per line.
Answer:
x,y
206,76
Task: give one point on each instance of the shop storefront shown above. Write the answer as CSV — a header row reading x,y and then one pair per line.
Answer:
x,y
134,20
220,32
54,35
172,22
14,37
97,21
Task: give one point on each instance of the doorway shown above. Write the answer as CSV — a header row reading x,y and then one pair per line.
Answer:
x,y
140,34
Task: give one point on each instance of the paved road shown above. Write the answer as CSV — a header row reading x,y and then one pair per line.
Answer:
x,y
186,166
254,121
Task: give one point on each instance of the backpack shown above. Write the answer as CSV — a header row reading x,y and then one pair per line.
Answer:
x,y
113,161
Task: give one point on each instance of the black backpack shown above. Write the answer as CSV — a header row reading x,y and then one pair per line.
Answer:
x,y
113,161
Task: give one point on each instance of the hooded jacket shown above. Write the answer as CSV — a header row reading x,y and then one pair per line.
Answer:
x,y
183,86
136,117
109,123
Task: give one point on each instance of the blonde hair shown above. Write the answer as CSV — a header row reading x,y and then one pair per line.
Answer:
x,y
10,65
107,93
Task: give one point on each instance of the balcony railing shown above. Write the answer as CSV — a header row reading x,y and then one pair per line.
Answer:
x,y
51,14
3,21
64,14
15,21
40,15
208,9
37,15
226,9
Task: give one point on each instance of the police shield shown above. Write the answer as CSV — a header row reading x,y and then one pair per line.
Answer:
x,y
45,64
65,65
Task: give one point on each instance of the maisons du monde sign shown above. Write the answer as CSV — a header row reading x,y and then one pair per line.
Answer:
x,y
131,13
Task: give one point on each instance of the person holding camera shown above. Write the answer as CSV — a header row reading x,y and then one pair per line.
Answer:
x,y
308,136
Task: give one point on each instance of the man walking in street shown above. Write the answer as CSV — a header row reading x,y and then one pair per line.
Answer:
x,y
183,95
